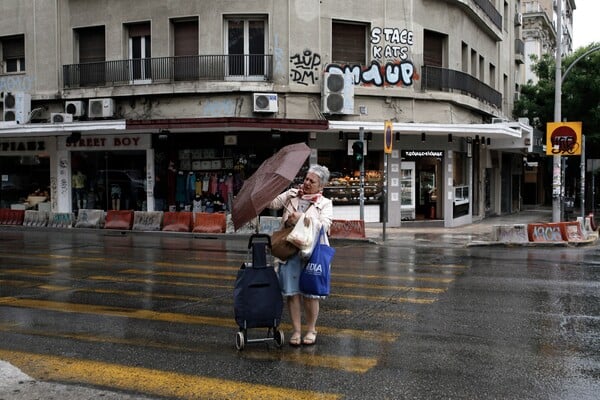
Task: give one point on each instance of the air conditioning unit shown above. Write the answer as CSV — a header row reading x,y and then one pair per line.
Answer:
x,y
61,118
75,107
101,108
16,106
265,102
338,93
499,120
518,19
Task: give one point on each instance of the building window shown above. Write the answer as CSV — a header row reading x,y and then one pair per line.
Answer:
x,y
140,52
91,46
185,49
434,44
245,44
13,53
348,43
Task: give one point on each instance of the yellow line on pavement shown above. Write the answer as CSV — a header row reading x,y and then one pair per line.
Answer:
x,y
343,363
149,381
123,312
404,288
391,299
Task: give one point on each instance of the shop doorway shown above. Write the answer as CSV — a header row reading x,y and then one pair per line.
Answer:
x,y
111,180
428,184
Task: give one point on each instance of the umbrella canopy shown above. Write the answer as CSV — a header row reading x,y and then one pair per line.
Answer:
x,y
273,175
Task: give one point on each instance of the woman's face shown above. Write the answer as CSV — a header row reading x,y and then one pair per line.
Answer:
x,y
311,184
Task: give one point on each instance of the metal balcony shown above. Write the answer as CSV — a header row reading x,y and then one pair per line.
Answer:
x,y
237,67
448,80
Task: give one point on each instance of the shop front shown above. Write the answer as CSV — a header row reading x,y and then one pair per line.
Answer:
x,y
25,172
107,172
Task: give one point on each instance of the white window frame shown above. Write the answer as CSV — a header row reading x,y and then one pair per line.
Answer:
x,y
246,76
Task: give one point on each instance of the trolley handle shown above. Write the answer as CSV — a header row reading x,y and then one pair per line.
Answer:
x,y
259,238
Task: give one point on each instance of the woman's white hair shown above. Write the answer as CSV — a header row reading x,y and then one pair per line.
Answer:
x,y
321,171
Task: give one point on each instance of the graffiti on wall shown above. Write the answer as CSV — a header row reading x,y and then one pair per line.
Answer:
x,y
305,68
391,74
16,84
390,43
389,54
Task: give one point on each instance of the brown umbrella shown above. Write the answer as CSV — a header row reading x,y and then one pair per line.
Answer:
x,y
269,180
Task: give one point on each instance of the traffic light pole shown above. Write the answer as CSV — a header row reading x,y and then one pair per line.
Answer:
x,y
361,137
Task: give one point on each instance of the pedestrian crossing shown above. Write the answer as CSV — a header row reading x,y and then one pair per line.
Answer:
x,y
167,302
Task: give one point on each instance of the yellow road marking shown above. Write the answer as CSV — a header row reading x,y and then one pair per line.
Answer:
x,y
222,268
123,312
385,299
149,381
344,363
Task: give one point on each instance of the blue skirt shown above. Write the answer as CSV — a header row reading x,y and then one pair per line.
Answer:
x,y
289,276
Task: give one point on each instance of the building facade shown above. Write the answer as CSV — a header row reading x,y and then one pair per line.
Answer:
x,y
171,105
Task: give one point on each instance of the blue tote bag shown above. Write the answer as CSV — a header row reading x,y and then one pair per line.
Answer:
x,y
315,278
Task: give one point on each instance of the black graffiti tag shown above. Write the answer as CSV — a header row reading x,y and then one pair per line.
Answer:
x,y
304,69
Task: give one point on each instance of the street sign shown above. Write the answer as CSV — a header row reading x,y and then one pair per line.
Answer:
x,y
388,137
563,139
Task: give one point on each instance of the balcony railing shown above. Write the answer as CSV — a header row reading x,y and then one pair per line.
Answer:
x,y
254,67
490,10
443,79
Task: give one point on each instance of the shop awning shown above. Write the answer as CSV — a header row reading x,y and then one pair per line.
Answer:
x,y
227,124
493,131
12,129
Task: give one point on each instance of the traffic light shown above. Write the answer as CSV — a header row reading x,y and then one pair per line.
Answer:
x,y
358,150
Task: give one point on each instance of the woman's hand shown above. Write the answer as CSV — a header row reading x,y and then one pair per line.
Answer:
x,y
294,217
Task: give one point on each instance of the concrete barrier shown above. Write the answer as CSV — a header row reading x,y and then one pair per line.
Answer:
x,y
62,220
209,222
345,229
174,221
119,219
90,219
35,218
510,233
11,217
546,232
147,220
572,232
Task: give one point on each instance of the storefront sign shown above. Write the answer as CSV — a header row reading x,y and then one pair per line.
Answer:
x,y
413,154
20,146
108,142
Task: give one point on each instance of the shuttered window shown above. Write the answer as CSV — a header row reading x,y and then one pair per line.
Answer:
x,y
13,53
348,43
91,44
185,35
433,49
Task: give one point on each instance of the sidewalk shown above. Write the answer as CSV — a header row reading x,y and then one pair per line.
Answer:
x,y
478,232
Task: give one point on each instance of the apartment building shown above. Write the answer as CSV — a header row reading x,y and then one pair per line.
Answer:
x,y
171,105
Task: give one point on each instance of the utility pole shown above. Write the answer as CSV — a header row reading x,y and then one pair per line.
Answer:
x,y
556,159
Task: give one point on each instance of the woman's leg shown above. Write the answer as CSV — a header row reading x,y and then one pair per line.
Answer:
x,y
294,307
311,310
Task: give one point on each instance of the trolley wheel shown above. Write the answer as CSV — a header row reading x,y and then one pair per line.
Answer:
x,y
279,338
240,340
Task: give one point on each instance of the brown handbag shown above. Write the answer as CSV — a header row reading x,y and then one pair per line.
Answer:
x,y
280,247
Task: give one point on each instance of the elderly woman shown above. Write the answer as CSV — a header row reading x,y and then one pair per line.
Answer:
x,y
308,198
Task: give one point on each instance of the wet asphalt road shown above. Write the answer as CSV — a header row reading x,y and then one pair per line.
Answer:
x,y
152,315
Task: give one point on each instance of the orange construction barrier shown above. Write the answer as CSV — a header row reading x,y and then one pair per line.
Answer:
x,y
209,222
119,219
546,232
344,229
177,221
